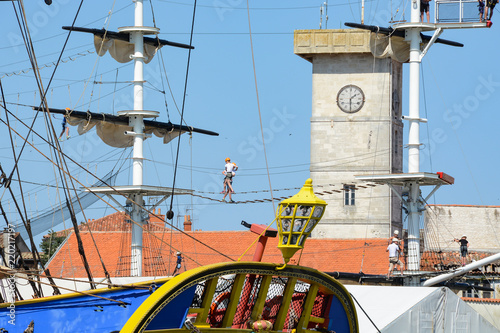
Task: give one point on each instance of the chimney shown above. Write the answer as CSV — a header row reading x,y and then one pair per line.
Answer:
x,y
154,219
187,223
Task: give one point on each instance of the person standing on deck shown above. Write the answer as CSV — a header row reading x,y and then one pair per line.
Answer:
x,y
424,7
178,264
480,7
394,250
490,4
464,248
395,235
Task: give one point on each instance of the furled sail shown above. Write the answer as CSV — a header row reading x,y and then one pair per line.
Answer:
x,y
119,46
121,50
389,42
113,134
383,46
54,217
111,128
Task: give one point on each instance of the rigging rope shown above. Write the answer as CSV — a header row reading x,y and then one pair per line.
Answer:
x,y
21,276
111,187
258,106
260,235
471,174
170,213
47,65
391,135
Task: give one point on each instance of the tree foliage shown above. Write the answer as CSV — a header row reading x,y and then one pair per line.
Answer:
x,y
49,245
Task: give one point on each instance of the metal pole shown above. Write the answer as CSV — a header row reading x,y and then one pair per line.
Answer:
x,y
137,122
413,34
362,11
326,14
462,270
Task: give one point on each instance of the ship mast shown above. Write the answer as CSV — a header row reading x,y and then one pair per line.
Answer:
x,y
136,119
140,128
412,181
138,191
414,203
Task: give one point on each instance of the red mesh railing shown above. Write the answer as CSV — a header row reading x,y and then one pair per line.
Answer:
x,y
273,303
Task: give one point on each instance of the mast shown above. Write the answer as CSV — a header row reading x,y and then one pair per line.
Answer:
x,y
414,179
136,120
414,141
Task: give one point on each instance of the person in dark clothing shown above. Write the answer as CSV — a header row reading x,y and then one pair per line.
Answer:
x,y
424,8
65,128
178,265
480,7
490,5
464,248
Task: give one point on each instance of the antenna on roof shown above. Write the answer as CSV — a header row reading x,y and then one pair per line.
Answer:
x,y
325,4
363,11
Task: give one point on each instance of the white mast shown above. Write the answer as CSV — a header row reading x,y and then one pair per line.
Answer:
x,y
137,191
137,122
414,141
414,179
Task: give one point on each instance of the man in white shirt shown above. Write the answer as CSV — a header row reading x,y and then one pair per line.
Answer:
x,y
393,250
229,172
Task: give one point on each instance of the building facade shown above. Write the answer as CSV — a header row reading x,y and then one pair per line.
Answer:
x,y
356,129
481,225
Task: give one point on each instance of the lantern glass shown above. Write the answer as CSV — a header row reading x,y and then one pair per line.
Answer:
x,y
310,226
296,222
304,210
297,217
318,211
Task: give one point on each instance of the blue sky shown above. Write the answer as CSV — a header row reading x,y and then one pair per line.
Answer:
x,y
460,100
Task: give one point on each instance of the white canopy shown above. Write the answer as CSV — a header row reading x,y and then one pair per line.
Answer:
x,y
415,310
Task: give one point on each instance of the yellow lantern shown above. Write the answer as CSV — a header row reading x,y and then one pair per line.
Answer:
x,y
297,217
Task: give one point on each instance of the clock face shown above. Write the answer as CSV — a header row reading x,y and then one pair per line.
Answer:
x,y
350,98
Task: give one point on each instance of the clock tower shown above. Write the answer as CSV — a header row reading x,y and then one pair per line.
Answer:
x,y
356,129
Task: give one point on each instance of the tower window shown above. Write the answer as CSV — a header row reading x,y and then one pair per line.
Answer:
x,y
349,195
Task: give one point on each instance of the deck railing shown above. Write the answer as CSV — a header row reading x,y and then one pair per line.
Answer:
x,y
451,11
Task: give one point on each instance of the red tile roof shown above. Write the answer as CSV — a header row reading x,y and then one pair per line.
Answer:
x,y
112,237
446,260
115,222
367,255
481,300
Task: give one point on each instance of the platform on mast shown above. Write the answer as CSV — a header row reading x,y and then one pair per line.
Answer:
x,y
147,190
400,179
434,26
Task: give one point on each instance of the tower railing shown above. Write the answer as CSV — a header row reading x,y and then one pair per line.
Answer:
x,y
456,11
